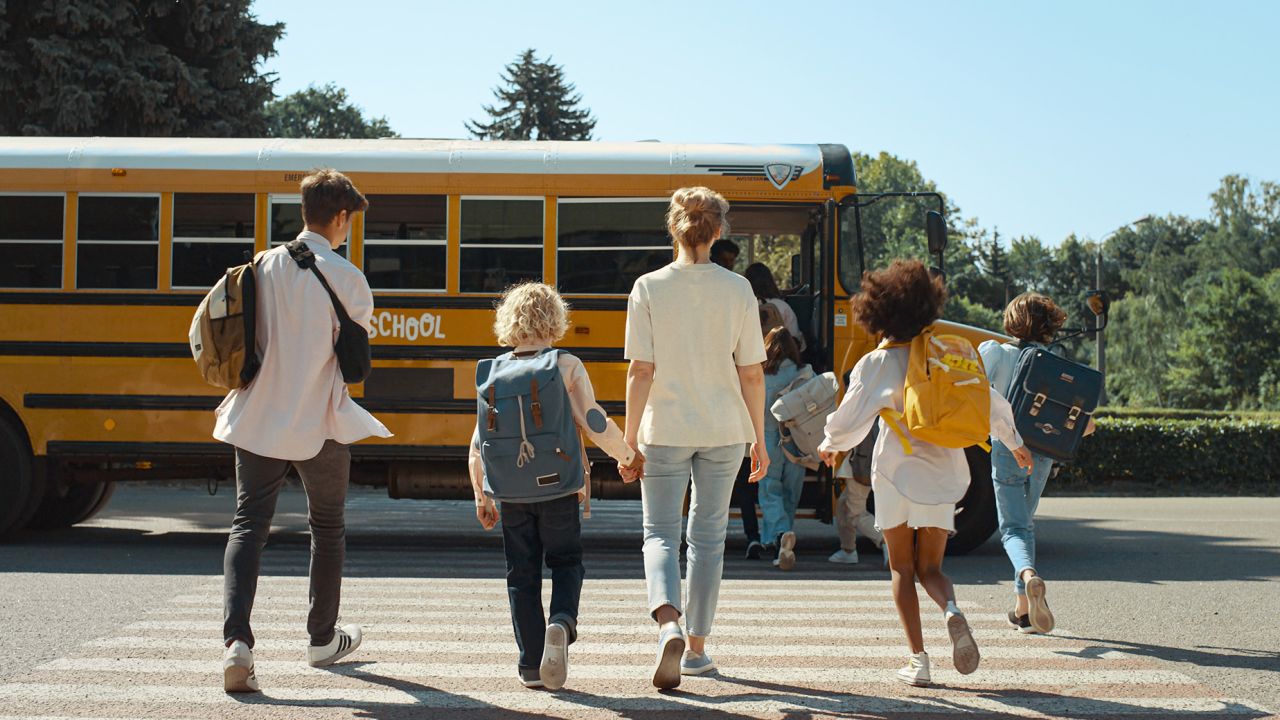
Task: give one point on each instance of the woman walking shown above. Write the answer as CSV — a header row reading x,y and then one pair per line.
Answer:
x,y
695,399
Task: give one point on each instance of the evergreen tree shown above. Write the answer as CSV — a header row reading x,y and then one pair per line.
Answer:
x,y
537,103
133,67
324,112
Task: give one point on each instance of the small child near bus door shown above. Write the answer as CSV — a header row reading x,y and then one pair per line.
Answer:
x,y
850,515
1034,321
530,318
916,493
780,488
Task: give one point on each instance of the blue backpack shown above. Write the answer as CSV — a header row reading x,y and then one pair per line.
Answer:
x,y
528,440
1053,400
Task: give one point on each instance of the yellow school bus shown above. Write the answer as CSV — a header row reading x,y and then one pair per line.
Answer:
x,y
110,243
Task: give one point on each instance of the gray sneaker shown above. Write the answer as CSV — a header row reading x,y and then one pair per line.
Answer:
x,y
694,664
666,671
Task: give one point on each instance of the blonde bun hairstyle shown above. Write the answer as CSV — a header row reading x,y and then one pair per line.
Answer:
x,y
697,216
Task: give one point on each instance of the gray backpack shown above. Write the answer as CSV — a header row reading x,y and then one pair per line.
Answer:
x,y
801,410
529,443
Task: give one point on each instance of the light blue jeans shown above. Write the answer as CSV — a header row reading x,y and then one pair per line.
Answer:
x,y
779,491
666,475
1017,496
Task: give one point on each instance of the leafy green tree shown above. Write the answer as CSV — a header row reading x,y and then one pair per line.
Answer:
x,y
1229,344
1030,264
1141,337
1246,227
536,103
323,112
133,67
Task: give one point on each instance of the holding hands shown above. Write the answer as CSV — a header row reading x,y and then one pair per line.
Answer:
x,y
634,471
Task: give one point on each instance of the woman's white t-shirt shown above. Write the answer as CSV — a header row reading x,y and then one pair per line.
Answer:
x,y
697,323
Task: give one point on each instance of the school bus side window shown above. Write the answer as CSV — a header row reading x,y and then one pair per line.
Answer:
x,y
501,243
405,245
211,232
118,242
31,241
604,245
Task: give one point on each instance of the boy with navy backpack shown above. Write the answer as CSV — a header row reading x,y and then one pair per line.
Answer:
x,y
527,453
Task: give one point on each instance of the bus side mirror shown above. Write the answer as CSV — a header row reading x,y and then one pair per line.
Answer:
x,y
1099,304
935,228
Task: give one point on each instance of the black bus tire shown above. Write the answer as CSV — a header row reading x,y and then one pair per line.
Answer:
x,y
17,482
976,511
81,502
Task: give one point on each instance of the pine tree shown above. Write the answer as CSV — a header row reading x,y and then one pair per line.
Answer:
x,y
323,112
537,103
133,67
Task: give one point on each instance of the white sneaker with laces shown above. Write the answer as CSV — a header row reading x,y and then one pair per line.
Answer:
x,y
786,559
964,651
237,669
345,641
916,673
844,557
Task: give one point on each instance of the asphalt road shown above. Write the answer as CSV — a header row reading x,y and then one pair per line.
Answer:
x,y
1179,591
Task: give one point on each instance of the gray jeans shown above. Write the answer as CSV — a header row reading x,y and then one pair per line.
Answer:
x,y
258,483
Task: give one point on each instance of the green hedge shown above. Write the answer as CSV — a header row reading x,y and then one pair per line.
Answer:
x,y
1186,414
1179,455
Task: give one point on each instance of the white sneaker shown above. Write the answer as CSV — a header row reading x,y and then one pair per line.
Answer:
x,y
916,673
786,552
844,557
555,657
345,641
237,669
964,651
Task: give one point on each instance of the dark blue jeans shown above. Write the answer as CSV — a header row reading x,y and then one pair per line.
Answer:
x,y
531,533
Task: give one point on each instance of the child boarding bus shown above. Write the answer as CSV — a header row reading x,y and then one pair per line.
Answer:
x,y
110,243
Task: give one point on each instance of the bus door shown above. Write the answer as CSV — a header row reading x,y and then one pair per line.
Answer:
x,y
792,240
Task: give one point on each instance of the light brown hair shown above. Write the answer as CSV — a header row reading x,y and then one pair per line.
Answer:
x,y
327,192
697,215
1033,317
899,301
779,345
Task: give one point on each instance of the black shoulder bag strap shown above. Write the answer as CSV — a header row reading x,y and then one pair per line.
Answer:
x,y
355,357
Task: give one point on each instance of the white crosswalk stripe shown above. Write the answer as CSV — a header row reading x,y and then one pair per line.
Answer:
x,y
787,646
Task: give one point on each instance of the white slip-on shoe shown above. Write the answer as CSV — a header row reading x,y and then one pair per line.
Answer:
x,y
844,557
1040,615
964,651
237,669
916,673
555,657
530,678
666,671
345,641
787,551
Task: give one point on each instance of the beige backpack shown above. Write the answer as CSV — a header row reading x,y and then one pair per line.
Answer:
x,y
223,333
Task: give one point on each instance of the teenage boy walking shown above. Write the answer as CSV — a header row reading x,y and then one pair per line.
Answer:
x,y
297,412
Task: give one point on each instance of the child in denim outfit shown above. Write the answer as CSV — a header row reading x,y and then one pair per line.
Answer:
x,y
531,318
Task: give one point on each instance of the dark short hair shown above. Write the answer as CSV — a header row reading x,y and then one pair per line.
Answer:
x,y
899,301
725,246
1033,317
762,282
327,192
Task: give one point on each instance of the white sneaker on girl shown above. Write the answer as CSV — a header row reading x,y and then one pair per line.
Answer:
x,y
916,673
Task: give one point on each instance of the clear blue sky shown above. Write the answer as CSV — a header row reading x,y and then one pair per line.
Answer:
x,y
1035,117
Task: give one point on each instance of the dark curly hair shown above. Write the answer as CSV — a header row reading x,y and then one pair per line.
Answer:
x,y
899,301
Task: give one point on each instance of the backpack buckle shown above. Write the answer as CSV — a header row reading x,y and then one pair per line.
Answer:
x,y
493,409
1037,404
1072,417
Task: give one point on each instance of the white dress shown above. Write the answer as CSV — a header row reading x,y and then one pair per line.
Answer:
x,y
920,489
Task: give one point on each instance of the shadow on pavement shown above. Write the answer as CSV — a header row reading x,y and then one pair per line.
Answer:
x,y
1201,655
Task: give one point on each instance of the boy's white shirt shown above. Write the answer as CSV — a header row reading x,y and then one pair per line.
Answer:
x,y
582,400
931,475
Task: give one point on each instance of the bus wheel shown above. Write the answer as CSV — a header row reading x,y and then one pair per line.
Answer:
x,y
18,483
78,503
976,511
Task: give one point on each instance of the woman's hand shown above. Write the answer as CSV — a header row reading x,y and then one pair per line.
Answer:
x,y
634,471
759,462
486,512
1023,456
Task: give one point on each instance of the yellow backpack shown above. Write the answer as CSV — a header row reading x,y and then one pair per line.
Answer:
x,y
946,400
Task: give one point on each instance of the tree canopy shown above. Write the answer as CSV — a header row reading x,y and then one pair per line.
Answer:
x,y
133,67
323,112
536,102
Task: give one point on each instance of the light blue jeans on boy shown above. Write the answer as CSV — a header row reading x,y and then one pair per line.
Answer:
x,y
666,475
1017,496
779,491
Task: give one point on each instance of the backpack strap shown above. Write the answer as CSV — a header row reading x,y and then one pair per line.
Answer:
x,y
535,407
493,409
893,419
306,260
